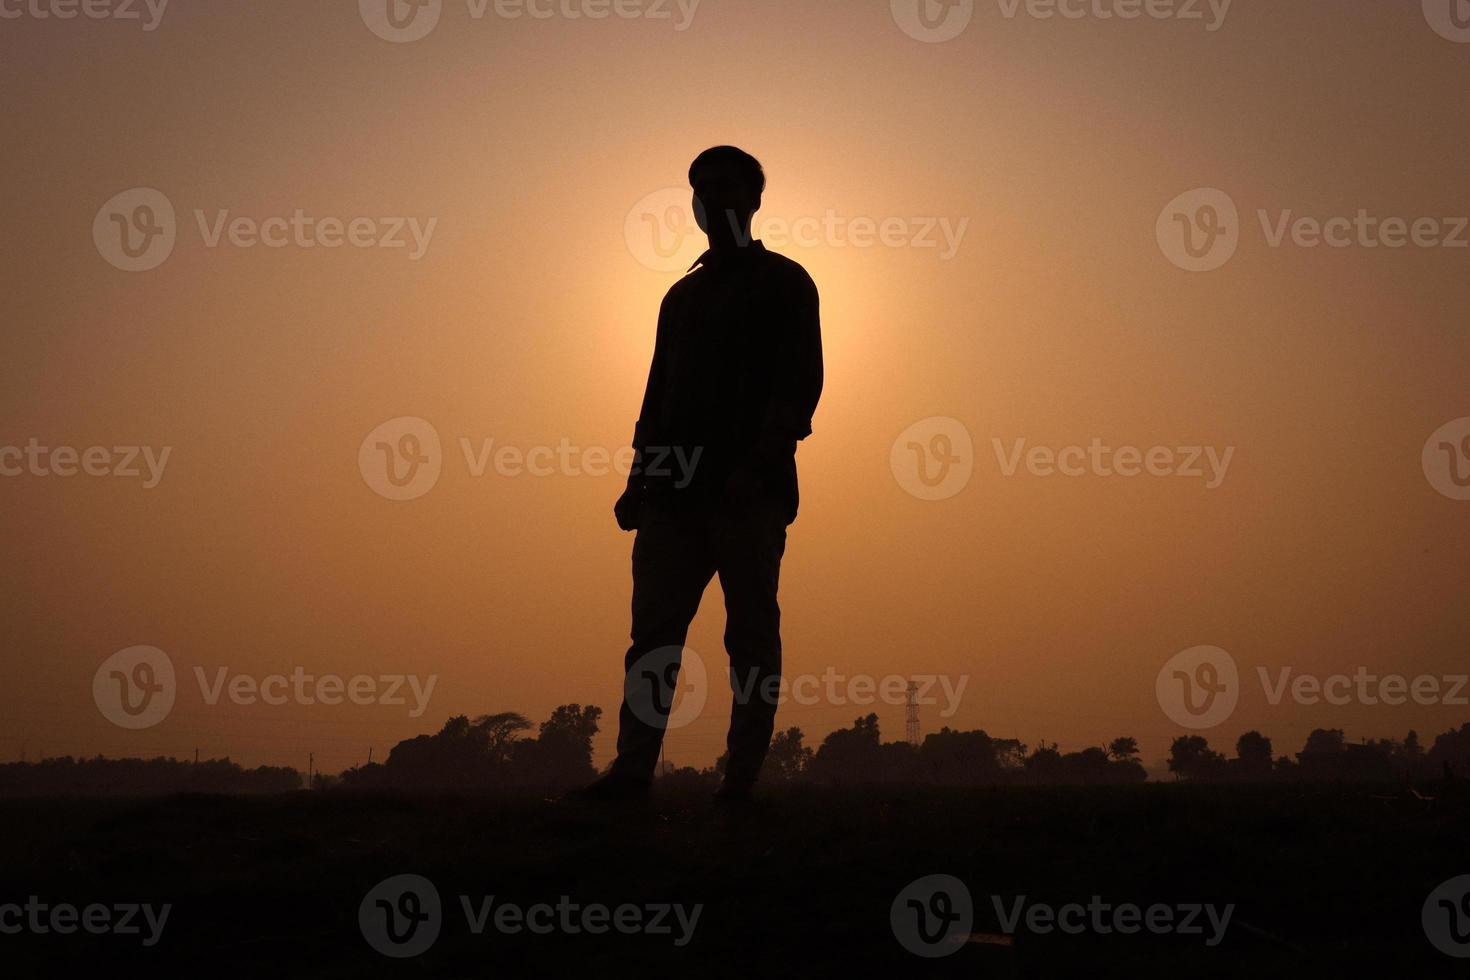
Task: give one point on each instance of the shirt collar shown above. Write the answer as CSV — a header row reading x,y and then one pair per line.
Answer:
x,y
709,256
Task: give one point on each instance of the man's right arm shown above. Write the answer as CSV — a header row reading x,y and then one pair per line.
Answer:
x,y
626,509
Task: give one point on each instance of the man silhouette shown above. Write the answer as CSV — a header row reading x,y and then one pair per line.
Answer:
x,y
736,375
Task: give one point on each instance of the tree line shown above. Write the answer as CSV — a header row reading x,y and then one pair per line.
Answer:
x,y
1326,756
66,776
497,753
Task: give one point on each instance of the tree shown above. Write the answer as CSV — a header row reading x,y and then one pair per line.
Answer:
x,y
499,732
953,758
1253,756
1451,751
1045,764
849,755
1190,757
1324,741
1413,751
1322,757
561,753
787,760
1123,749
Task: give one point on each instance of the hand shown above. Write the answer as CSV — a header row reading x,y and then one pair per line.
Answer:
x,y
627,507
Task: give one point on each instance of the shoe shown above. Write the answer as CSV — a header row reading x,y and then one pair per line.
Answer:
x,y
615,787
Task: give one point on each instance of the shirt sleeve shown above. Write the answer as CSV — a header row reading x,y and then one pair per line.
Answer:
x,y
645,431
797,385
798,381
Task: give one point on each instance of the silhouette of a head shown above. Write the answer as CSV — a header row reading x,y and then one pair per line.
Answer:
x,y
727,184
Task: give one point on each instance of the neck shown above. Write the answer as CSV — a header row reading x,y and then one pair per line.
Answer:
x,y
730,235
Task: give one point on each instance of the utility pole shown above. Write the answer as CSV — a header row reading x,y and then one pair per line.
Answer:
x,y
310,768
370,755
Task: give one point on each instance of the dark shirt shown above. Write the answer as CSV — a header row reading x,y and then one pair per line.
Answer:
x,y
736,375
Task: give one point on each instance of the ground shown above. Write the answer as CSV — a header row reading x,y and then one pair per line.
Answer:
x,y
1325,881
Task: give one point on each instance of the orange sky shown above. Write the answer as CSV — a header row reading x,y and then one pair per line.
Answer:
x,y
528,319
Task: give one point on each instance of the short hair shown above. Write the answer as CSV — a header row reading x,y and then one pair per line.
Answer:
x,y
747,166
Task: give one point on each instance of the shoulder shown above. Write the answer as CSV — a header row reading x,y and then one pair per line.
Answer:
x,y
682,287
790,273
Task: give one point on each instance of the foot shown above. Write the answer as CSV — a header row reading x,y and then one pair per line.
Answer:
x,y
615,787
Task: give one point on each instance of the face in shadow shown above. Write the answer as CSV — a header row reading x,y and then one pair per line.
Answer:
x,y
724,204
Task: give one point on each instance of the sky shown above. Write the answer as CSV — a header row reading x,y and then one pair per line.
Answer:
x,y
1040,241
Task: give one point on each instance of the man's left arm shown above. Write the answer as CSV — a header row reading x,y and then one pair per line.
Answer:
x,y
796,384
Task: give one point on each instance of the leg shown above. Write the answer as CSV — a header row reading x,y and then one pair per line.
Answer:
x,y
671,567
748,556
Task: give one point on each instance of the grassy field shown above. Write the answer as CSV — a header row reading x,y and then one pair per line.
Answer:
x,y
1325,881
